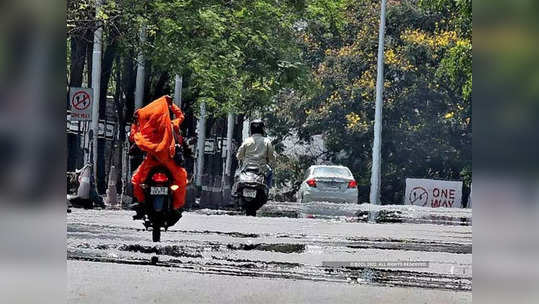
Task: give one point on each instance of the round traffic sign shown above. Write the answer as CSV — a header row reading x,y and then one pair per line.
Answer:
x,y
418,196
81,100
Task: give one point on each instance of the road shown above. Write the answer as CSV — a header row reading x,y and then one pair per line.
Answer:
x,y
224,257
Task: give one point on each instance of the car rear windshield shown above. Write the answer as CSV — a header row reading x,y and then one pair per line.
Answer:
x,y
331,171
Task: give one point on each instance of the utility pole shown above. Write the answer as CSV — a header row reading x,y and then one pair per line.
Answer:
x,y
229,151
96,83
178,82
377,144
200,144
139,89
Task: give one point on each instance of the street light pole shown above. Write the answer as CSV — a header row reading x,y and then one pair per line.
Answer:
x,y
178,80
228,161
376,147
200,144
96,83
139,84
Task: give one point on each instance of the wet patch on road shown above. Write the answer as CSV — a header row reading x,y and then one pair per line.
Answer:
x,y
386,214
279,264
283,248
248,268
402,278
170,250
232,234
409,244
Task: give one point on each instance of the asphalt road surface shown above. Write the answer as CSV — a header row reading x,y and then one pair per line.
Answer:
x,y
225,257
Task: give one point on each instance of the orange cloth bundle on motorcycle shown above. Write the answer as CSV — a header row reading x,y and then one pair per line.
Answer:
x,y
152,133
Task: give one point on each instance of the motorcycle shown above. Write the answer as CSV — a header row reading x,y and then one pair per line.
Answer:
x,y
157,207
252,190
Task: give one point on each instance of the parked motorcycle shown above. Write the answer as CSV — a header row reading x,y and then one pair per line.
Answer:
x,y
252,190
157,208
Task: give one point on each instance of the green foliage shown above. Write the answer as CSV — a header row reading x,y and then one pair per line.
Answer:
x,y
239,53
236,54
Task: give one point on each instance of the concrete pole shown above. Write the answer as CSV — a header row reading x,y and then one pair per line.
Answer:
x,y
200,144
245,129
377,144
84,142
139,89
96,83
125,169
229,134
111,200
178,81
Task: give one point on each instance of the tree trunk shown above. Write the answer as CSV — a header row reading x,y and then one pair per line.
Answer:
x,y
128,82
161,85
148,77
89,54
77,57
106,72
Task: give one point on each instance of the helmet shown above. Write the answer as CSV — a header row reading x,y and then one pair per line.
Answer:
x,y
257,126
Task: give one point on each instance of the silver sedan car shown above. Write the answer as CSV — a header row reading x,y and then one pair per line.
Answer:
x,y
328,184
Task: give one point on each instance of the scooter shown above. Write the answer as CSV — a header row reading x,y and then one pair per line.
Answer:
x,y
252,190
81,189
157,208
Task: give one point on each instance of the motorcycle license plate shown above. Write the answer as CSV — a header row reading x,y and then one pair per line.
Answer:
x,y
249,193
158,190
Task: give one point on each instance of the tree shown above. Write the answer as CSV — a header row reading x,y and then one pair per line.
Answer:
x,y
427,96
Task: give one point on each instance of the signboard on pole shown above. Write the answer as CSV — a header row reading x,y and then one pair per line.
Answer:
x,y
209,146
433,193
80,102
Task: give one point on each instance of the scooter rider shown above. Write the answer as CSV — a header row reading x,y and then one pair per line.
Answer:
x,y
257,150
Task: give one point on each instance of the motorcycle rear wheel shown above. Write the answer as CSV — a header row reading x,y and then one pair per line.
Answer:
x,y
250,211
250,207
156,232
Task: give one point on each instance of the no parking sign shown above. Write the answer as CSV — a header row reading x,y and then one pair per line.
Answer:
x,y
81,102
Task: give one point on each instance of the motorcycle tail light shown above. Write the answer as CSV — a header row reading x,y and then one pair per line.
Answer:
x,y
352,184
311,183
160,177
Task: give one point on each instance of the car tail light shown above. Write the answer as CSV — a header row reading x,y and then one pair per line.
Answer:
x,y
160,177
352,184
311,183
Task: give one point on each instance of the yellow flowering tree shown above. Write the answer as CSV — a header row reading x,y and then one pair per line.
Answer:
x,y
427,89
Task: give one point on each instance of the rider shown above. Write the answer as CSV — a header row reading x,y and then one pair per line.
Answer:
x,y
153,132
257,150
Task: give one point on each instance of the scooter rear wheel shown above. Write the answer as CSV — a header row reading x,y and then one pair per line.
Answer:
x,y
250,211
